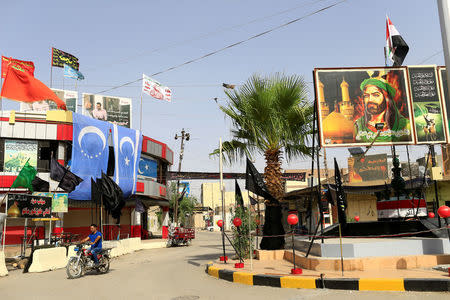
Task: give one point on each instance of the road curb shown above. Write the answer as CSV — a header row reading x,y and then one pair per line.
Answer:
x,y
356,284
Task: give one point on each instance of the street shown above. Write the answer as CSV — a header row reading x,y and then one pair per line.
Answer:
x,y
172,273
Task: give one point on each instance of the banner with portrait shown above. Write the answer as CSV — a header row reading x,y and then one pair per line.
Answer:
x,y
70,98
358,106
427,105
17,153
367,168
116,110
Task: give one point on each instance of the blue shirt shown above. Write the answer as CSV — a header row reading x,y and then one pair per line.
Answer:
x,y
93,236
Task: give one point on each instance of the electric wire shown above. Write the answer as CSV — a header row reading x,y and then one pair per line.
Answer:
x,y
229,46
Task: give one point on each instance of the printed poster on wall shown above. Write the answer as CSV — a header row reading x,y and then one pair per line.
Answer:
x,y
17,153
427,105
354,102
367,168
444,95
60,201
70,98
29,206
116,110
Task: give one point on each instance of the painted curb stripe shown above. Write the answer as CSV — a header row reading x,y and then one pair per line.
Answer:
x,y
363,284
226,275
338,283
381,284
213,271
297,282
427,285
267,280
242,277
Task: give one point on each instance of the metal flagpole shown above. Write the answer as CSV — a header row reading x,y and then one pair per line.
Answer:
x,y
140,122
223,200
250,234
4,225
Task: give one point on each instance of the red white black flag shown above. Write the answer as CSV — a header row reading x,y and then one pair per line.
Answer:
x,y
396,47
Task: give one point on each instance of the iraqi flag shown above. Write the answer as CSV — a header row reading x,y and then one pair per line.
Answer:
x,y
396,47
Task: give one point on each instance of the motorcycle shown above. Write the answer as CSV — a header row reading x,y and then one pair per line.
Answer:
x,y
82,262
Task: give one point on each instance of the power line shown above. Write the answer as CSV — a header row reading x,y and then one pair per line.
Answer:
x,y
430,57
229,46
211,33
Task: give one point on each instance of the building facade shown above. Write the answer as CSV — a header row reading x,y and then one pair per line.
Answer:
x,y
49,134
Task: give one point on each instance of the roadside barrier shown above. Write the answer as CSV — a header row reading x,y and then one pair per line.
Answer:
x,y
48,259
3,269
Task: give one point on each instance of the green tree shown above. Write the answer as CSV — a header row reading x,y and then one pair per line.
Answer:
x,y
185,206
271,116
241,239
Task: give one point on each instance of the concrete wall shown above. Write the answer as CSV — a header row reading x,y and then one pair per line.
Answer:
x,y
211,195
364,206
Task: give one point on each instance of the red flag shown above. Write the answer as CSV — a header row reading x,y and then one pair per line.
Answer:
x,y
21,86
27,66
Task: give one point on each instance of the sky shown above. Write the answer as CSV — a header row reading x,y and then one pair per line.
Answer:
x,y
117,41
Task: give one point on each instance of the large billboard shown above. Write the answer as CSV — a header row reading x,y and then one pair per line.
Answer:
x,y
444,95
354,103
112,109
29,206
427,105
367,168
69,97
17,153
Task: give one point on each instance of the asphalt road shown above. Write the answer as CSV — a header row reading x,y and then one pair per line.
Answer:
x,y
173,273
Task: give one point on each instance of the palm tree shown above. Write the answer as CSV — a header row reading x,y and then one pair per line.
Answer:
x,y
271,116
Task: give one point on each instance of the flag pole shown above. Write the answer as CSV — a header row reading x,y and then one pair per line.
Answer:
x,y
4,225
223,200
140,121
250,233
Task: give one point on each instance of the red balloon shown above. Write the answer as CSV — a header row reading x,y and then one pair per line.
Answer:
x,y
431,215
292,219
220,223
357,218
444,211
237,222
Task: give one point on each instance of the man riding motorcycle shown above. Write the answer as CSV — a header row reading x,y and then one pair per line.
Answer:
x,y
96,238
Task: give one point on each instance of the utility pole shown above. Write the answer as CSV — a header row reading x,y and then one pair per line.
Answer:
x,y
184,136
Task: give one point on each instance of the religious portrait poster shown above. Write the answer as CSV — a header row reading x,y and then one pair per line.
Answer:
x,y
361,106
427,105
116,110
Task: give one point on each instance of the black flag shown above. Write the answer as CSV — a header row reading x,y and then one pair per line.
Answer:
x,y
341,200
68,181
112,196
253,201
238,194
255,183
40,185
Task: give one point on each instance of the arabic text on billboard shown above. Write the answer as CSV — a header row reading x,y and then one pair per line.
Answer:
x,y
352,103
427,106
367,168
112,109
17,153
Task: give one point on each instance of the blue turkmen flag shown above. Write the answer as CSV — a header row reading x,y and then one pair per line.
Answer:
x,y
89,152
72,73
148,167
127,153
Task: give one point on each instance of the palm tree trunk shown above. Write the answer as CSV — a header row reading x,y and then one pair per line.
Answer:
x,y
272,220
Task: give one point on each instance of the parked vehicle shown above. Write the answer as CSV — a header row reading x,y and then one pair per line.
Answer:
x,y
81,263
180,236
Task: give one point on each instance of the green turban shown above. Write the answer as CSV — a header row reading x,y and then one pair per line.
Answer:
x,y
380,84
